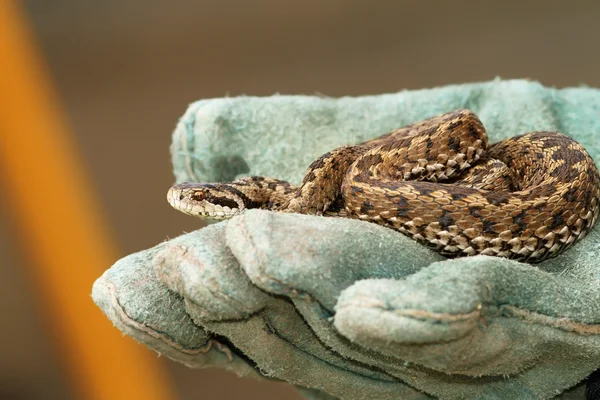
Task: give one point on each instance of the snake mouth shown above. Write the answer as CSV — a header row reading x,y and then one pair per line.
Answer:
x,y
201,208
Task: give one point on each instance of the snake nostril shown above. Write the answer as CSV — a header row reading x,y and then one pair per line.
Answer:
x,y
181,196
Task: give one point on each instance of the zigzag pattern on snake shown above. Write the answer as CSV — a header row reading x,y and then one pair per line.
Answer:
x,y
438,181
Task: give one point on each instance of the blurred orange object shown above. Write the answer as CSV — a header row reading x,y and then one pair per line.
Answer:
x,y
61,228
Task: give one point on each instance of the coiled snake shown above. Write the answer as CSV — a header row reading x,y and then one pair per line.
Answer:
x,y
438,181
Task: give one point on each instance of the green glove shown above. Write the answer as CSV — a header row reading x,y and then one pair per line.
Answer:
x,y
349,308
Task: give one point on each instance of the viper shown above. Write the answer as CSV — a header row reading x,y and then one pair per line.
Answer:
x,y
439,181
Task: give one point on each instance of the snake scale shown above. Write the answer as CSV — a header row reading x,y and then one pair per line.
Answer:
x,y
529,197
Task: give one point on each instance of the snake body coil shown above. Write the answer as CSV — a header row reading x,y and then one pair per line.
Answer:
x,y
529,197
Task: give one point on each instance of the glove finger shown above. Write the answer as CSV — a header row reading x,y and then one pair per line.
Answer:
x,y
199,267
295,255
481,316
142,307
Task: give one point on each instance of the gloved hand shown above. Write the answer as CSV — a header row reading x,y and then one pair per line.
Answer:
x,y
349,308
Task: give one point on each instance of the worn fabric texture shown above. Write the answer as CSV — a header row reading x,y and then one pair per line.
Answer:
x,y
348,309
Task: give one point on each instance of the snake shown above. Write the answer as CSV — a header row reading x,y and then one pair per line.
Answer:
x,y
439,181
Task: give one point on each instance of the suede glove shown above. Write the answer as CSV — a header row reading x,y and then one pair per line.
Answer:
x,y
348,309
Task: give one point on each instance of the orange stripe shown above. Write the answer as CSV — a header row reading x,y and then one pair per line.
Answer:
x,y
61,226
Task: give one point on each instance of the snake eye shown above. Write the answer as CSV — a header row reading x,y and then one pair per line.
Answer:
x,y
198,196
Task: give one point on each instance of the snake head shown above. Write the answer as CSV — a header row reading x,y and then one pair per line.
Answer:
x,y
206,200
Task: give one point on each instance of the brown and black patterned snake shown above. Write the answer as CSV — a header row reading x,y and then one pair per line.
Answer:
x,y
438,181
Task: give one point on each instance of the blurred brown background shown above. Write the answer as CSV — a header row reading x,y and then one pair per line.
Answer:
x,y
126,70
